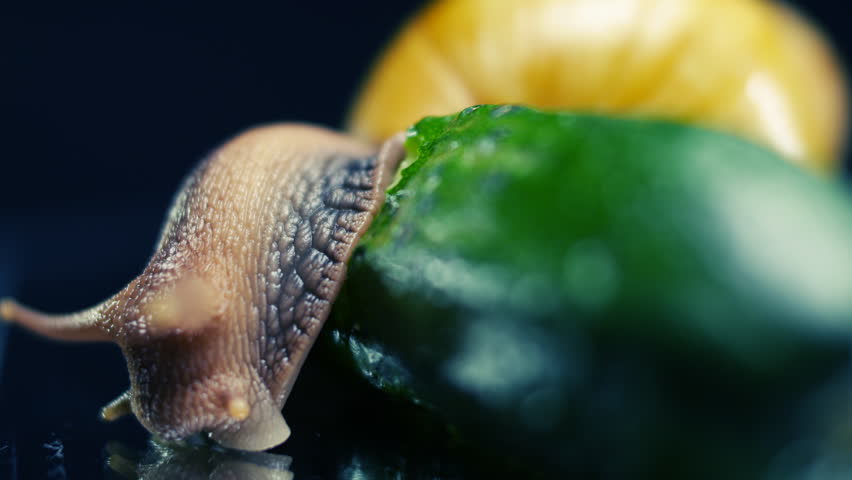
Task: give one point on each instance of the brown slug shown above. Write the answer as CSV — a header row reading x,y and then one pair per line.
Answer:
x,y
250,259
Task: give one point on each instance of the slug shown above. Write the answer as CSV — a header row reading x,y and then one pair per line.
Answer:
x,y
749,67
253,253
251,257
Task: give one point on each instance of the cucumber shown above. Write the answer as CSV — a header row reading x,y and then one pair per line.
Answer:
x,y
577,293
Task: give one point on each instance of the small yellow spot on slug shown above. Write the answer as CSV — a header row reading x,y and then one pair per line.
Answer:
x,y
188,305
165,311
7,309
238,408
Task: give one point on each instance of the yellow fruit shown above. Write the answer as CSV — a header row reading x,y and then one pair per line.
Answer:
x,y
749,67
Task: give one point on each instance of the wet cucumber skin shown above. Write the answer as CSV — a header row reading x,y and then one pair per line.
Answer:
x,y
584,291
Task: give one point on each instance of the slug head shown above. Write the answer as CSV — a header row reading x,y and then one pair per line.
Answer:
x,y
190,366
254,250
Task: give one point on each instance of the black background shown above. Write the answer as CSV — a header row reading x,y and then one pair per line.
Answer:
x,y
103,110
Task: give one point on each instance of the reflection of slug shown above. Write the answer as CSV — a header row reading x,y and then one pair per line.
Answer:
x,y
750,67
196,462
218,324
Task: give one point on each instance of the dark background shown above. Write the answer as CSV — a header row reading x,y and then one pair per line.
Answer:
x,y
103,110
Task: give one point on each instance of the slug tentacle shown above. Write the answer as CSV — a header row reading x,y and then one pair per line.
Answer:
x,y
251,258
117,408
190,305
85,326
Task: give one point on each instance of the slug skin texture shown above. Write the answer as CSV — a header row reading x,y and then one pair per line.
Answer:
x,y
250,260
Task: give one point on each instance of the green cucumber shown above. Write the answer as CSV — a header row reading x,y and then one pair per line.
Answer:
x,y
580,293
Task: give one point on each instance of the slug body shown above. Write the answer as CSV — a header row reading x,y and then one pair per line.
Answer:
x,y
251,257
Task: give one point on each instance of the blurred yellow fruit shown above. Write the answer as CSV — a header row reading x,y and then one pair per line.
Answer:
x,y
750,67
